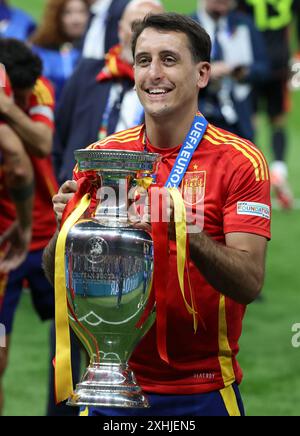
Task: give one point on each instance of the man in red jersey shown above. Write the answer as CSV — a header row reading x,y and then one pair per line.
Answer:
x,y
29,116
227,257
17,175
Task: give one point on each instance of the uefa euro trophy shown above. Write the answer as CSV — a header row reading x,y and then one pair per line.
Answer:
x,y
109,268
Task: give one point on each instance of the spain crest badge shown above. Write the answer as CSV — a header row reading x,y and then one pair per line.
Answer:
x,y
193,187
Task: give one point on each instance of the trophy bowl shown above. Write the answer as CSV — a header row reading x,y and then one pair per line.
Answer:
x,y
109,271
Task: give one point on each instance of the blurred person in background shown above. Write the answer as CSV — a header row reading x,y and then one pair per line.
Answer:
x,y
56,40
99,100
15,23
102,33
273,19
29,116
238,62
96,102
16,178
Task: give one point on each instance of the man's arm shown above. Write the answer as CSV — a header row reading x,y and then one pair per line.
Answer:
x,y
18,178
65,193
36,136
236,269
49,258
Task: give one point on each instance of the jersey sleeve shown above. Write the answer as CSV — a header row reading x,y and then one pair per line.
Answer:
x,y
42,103
247,207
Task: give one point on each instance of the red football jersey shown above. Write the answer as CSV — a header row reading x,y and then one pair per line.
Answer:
x,y
230,176
41,109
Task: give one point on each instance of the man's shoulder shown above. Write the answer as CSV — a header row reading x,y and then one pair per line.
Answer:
x,y
43,92
126,139
238,151
129,140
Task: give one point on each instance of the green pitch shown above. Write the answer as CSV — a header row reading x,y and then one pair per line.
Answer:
x,y
271,383
35,7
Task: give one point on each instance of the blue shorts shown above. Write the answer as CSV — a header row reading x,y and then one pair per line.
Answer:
x,y
227,402
42,292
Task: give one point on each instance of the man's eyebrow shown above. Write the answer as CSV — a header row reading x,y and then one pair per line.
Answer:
x,y
143,53
169,52
161,53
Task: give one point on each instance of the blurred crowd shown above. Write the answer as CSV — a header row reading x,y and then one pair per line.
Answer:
x,y
68,81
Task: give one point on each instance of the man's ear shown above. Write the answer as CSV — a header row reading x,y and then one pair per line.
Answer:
x,y
204,71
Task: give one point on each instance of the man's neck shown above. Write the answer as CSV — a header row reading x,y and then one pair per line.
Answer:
x,y
167,132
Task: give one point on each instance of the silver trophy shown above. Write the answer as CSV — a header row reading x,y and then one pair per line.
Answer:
x,y
109,268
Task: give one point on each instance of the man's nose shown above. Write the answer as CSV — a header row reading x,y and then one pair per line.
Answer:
x,y
156,70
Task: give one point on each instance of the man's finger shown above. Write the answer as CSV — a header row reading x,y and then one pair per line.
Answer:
x,y
70,186
62,198
59,209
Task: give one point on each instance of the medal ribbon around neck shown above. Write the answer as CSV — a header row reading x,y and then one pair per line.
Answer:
x,y
161,242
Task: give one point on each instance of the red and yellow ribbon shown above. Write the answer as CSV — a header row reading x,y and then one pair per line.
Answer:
x,y
63,369
181,250
161,254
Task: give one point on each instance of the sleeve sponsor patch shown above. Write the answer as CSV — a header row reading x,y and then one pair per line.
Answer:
x,y
254,209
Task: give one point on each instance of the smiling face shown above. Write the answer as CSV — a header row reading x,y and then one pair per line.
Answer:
x,y
167,77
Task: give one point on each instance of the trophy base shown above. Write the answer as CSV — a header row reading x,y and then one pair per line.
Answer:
x,y
109,386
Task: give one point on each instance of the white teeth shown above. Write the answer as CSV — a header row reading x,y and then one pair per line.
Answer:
x,y
157,91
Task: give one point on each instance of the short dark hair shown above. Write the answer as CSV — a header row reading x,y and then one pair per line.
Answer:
x,y
200,42
23,67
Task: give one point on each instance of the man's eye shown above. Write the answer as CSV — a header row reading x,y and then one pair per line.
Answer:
x,y
169,60
143,61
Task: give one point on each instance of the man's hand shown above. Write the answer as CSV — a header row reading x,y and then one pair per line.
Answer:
x,y
16,242
65,194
